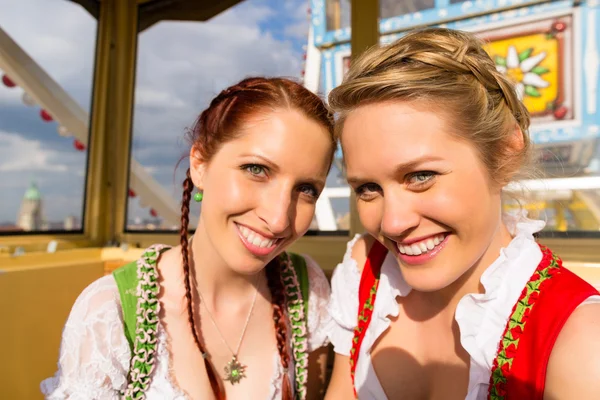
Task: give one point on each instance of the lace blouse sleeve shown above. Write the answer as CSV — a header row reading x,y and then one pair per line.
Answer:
x,y
318,298
343,306
94,353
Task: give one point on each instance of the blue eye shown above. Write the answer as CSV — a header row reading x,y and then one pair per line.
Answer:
x,y
367,191
421,178
367,187
309,190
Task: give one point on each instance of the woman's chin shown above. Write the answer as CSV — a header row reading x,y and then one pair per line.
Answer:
x,y
427,280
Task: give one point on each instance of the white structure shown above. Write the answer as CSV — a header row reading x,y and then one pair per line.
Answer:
x,y
31,216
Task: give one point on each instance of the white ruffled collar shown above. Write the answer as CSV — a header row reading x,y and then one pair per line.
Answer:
x,y
480,317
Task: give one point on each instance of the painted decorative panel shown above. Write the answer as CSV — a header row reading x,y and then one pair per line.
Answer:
x,y
538,58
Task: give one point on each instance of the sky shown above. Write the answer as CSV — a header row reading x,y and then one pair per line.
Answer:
x,y
180,67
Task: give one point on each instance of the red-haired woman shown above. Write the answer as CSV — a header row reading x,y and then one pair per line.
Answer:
x,y
228,313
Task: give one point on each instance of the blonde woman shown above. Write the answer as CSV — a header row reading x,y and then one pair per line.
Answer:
x,y
446,297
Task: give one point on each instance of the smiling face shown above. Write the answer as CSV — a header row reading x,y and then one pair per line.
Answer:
x,y
260,189
422,191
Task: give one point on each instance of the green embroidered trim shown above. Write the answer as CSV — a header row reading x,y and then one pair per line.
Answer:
x,y
299,339
144,352
509,344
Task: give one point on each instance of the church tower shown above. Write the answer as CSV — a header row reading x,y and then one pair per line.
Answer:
x,y
31,217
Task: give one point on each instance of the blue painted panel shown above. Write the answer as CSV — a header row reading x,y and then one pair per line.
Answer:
x,y
586,45
442,12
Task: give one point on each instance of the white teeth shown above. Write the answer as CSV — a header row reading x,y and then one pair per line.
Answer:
x,y
267,243
416,250
256,239
422,247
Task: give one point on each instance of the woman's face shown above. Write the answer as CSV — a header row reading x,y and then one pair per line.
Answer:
x,y
421,190
261,188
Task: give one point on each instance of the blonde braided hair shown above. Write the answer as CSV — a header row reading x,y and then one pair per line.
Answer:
x,y
451,72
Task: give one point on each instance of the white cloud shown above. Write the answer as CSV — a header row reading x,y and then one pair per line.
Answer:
x,y
59,175
20,154
151,98
183,65
252,13
59,35
300,20
299,30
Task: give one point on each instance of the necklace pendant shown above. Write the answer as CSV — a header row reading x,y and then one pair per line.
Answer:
x,y
234,371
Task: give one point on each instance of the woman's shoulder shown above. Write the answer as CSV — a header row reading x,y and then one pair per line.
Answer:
x,y
351,266
575,356
94,353
359,251
316,275
318,284
99,295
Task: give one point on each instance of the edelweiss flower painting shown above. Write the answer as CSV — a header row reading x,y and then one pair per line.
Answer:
x,y
525,70
535,57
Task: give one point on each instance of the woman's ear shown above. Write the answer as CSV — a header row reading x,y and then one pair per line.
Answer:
x,y
512,155
197,168
517,141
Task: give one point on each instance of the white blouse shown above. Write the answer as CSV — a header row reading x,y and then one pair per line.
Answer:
x,y
95,355
480,317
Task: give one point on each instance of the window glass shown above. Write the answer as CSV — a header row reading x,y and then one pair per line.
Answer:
x,y
338,14
394,8
43,159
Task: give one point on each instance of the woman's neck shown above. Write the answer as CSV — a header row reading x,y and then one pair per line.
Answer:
x,y
219,285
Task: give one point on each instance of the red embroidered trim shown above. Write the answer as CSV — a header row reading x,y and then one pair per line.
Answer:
x,y
364,317
369,282
507,348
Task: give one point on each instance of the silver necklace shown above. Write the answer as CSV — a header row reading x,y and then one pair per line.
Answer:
x,y
234,370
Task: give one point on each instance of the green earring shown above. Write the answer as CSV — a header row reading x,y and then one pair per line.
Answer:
x,y
198,197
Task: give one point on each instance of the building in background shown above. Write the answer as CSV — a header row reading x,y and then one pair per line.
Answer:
x,y
31,214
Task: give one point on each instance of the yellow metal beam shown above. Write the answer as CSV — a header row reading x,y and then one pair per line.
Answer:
x,y
364,22
585,210
561,219
111,120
